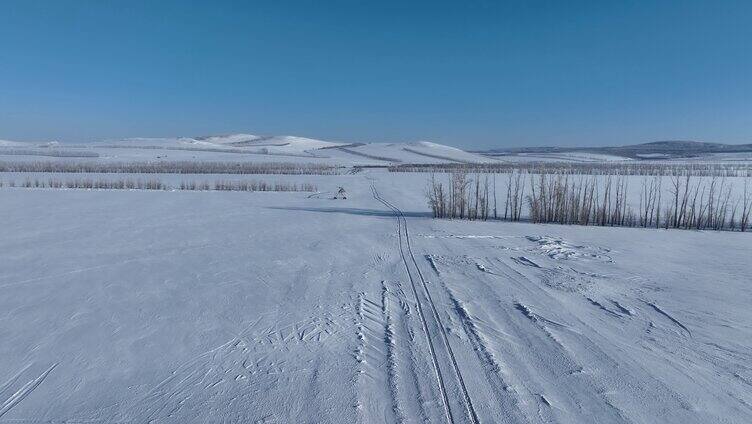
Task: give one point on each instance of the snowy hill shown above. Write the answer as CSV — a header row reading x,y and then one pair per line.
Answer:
x,y
249,140
250,147
418,152
360,153
279,145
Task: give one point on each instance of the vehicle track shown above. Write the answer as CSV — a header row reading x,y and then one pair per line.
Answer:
x,y
408,253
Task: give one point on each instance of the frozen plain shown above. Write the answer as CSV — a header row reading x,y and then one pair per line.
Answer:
x,y
172,307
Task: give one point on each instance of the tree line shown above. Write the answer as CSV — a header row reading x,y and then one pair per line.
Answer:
x,y
170,167
695,169
155,184
677,201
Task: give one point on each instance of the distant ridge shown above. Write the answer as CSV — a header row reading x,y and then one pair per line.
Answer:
x,y
649,150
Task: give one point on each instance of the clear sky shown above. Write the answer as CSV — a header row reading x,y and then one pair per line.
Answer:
x,y
474,74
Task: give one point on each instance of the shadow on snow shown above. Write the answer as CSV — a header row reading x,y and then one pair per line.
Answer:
x,y
354,211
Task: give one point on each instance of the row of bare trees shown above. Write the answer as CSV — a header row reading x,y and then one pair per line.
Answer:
x,y
461,197
687,202
695,203
170,167
696,169
57,153
565,199
155,184
90,183
252,186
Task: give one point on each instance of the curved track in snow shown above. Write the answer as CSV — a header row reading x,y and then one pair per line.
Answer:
x,y
455,386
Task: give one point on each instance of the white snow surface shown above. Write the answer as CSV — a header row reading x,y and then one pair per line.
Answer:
x,y
182,307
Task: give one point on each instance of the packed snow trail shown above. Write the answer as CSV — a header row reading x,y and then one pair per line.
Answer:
x,y
406,253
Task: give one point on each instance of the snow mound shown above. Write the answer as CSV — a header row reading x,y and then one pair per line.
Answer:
x,y
556,248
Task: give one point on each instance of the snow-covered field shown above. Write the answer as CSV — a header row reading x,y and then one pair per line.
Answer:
x,y
175,307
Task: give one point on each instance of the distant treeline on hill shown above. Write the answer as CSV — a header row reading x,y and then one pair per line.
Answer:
x,y
179,167
736,169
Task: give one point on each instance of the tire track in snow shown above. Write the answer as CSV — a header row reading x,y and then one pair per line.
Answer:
x,y
377,351
389,341
409,394
24,391
408,253
389,388
439,378
492,369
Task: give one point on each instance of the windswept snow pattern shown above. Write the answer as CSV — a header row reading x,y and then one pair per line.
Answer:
x,y
23,391
557,248
183,307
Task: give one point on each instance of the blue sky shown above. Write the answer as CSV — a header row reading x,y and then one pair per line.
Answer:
x,y
476,74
